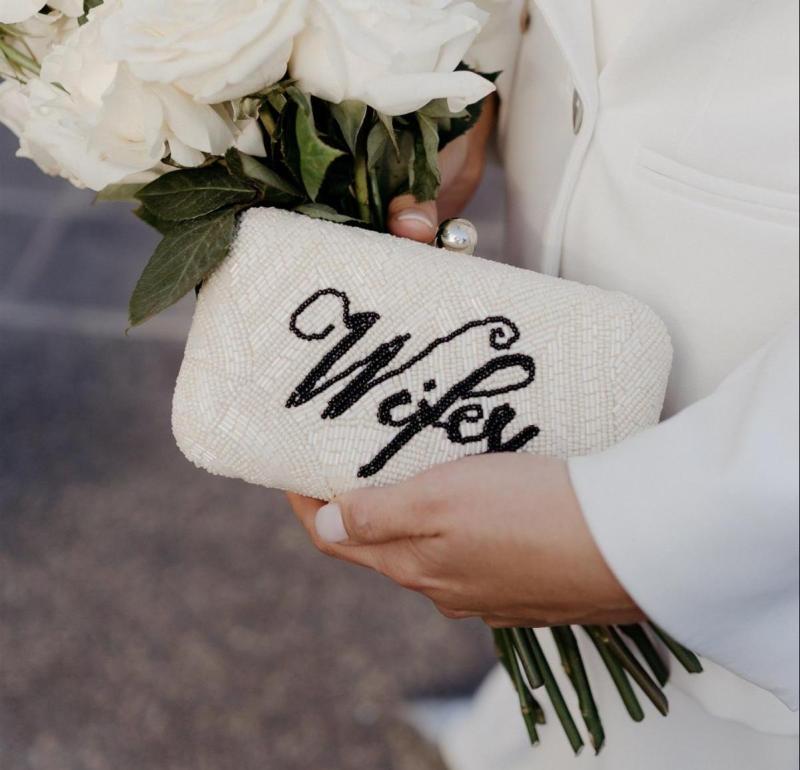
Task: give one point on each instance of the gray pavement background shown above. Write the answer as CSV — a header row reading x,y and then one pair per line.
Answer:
x,y
153,617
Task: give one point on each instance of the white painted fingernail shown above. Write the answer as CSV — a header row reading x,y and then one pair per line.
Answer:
x,y
330,524
415,215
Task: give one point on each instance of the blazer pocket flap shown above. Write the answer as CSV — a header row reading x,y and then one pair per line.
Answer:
x,y
737,197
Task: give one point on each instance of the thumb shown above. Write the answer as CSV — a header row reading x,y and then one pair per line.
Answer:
x,y
410,219
420,221
374,517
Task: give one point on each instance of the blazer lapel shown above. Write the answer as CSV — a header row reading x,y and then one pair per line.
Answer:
x,y
572,25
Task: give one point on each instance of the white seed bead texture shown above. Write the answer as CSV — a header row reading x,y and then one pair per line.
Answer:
x,y
602,359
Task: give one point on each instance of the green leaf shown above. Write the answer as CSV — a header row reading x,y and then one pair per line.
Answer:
x,y
187,256
460,123
377,145
273,103
18,61
278,100
286,150
451,124
439,108
182,195
247,108
387,121
161,225
87,6
270,124
273,188
389,170
350,116
430,139
316,156
426,177
115,193
320,211
301,99
376,198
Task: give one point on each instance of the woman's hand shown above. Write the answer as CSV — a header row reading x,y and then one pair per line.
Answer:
x,y
501,537
462,164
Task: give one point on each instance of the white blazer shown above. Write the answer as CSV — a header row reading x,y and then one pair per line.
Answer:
x,y
673,175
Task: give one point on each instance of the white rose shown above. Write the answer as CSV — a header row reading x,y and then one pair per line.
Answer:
x,y
15,11
249,139
215,50
35,37
395,55
15,115
101,124
13,106
495,49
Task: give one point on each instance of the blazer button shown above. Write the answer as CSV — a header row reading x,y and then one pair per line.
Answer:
x,y
525,20
577,112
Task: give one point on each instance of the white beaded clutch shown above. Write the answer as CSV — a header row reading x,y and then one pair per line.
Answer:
x,y
323,357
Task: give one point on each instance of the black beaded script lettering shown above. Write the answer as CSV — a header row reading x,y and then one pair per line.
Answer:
x,y
462,422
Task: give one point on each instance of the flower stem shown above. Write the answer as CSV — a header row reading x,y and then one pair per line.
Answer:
x,y
362,179
685,657
576,671
14,57
525,652
531,711
618,675
557,698
639,637
637,672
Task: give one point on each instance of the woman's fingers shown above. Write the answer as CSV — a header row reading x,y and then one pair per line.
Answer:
x,y
409,218
305,508
413,220
461,164
322,536
495,621
371,528
417,221
376,516
501,537
455,614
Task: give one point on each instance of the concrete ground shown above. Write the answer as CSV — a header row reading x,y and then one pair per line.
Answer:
x,y
153,617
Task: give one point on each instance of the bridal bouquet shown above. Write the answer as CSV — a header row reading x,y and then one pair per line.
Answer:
x,y
202,110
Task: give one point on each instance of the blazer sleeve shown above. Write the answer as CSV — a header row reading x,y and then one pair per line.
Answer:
x,y
698,518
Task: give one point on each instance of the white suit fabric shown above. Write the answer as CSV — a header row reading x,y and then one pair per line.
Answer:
x,y
657,153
